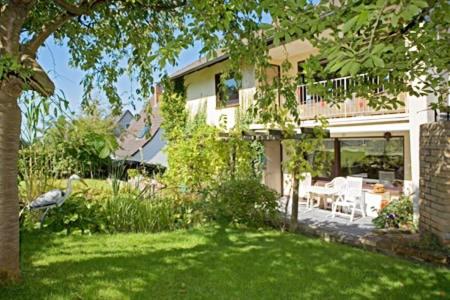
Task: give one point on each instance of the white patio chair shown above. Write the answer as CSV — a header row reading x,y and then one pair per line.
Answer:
x,y
351,199
339,184
303,191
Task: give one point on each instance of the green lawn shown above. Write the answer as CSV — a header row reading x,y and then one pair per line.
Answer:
x,y
215,263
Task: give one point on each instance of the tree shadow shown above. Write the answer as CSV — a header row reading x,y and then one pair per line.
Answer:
x,y
224,263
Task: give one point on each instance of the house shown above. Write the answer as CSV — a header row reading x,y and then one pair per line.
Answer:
x,y
141,143
123,122
378,145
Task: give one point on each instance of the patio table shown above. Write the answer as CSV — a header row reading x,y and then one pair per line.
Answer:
x,y
322,191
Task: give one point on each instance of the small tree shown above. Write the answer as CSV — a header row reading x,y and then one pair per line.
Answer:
x,y
303,153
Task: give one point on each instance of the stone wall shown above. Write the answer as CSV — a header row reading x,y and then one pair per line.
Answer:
x,y
435,180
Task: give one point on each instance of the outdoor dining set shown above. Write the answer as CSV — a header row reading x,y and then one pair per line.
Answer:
x,y
343,194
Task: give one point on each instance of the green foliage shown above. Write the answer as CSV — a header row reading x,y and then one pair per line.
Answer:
x,y
36,158
200,154
81,146
77,213
97,209
243,201
397,214
173,111
11,65
402,43
126,213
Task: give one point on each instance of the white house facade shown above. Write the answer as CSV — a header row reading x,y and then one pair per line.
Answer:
x,y
378,145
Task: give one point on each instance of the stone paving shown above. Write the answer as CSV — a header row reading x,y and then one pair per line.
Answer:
x,y
362,233
320,219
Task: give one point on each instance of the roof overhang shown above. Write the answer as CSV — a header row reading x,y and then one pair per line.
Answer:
x,y
276,134
189,70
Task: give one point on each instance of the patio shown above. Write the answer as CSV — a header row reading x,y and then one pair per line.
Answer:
x,y
319,222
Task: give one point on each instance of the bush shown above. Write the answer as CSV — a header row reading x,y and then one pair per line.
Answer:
x,y
243,201
397,214
77,213
126,212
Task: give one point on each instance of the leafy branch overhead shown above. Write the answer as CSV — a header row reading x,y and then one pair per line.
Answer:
x,y
405,43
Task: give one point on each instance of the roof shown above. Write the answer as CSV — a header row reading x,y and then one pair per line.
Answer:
x,y
119,118
129,142
198,65
152,151
204,62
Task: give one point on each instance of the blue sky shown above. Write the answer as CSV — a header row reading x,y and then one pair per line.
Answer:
x,y
55,60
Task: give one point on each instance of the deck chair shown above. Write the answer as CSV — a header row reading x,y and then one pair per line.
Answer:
x,y
351,199
339,184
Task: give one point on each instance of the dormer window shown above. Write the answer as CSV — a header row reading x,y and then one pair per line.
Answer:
x,y
228,94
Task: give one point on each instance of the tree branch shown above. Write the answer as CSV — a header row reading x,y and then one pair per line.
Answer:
x,y
374,28
48,29
39,80
32,46
72,9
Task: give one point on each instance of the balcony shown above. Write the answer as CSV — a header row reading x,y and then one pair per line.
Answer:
x,y
312,105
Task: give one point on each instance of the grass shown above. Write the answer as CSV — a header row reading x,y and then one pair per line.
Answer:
x,y
215,263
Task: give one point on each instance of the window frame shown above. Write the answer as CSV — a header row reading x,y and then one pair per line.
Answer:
x,y
219,101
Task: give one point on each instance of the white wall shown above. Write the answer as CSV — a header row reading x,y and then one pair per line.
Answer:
x,y
201,94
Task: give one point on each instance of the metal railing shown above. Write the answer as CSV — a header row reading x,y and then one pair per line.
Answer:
x,y
312,104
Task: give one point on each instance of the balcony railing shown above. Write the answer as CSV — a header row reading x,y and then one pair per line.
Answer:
x,y
312,105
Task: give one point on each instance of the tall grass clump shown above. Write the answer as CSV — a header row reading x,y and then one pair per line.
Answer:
x,y
127,213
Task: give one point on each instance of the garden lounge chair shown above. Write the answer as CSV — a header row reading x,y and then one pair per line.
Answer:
x,y
351,199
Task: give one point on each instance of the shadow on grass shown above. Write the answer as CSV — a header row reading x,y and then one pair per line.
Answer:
x,y
218,262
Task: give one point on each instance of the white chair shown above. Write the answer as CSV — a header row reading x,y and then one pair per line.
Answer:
x,y
304,187
351,199
338,184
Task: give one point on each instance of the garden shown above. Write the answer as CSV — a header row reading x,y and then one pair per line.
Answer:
x,y
77,222
213,231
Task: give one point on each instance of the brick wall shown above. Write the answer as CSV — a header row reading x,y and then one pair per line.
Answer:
x,y
435,180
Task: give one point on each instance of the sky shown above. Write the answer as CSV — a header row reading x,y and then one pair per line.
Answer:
x,y
54,59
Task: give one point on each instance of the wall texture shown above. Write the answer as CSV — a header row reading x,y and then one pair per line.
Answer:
x,y
435,180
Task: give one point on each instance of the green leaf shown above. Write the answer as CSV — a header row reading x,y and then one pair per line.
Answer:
x,y
377,61
349,24
104,153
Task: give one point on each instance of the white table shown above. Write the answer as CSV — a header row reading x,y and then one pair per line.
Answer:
x,y
322,191
372,202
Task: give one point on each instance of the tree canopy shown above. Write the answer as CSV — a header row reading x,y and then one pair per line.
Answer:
x,y
404,43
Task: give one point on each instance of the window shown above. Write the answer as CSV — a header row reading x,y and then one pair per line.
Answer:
x,y
228,94
373,158
327,158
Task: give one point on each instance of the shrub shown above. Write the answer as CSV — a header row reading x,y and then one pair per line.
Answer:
x,y
396,214
242,201
77,213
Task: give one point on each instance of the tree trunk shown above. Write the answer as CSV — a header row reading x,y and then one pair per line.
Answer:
x,y
10,119
294,206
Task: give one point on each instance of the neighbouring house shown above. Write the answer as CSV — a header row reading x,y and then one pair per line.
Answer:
x,y
141,143
378,145
123,122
